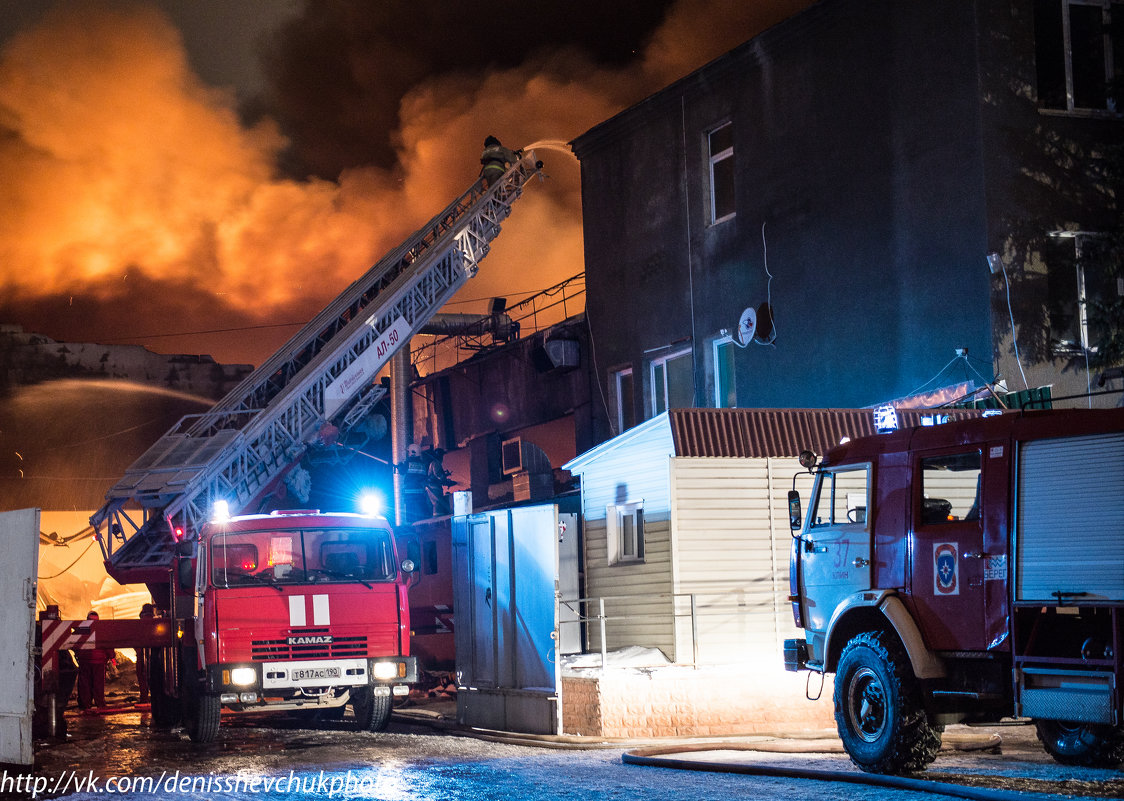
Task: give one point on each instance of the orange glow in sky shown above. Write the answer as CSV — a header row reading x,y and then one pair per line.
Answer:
x,y
136,201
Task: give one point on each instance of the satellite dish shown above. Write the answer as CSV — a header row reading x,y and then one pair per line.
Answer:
x,y
765,334
747,327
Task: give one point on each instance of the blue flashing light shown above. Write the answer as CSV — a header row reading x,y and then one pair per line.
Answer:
x,y
372,504
885,419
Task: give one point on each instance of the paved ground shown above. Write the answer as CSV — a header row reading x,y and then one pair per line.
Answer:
x,y
416,760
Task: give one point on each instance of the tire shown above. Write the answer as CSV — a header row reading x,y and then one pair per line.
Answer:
x,y
201,713
878,709
1084,744
372,712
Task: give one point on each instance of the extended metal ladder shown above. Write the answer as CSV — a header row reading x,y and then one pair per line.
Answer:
x,y
322,379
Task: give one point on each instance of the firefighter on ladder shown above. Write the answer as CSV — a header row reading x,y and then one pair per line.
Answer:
x,y
495,161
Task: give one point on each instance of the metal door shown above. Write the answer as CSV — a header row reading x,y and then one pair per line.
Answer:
x,y
505,567
19,562
835,547
950,566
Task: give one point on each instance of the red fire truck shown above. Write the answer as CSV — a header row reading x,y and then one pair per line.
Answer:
x,y
290,611
966,572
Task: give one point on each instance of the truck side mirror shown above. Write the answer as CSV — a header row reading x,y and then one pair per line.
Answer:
x,y
795,516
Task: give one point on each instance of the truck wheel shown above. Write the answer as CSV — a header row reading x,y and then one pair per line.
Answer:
x,y
1085,744
201,714
878,708
372,712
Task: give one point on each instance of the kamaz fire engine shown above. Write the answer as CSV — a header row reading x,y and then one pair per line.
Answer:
x,y
286,610
967,572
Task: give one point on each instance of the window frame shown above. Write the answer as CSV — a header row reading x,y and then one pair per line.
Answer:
x,y
714,159
663,387
720,346
1081,299
615,515
828,475
1110,59
624,413
932,465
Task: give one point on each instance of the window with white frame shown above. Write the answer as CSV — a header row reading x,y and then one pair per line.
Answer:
x,y
672,381
625,532
1079,53
1077,283
623,390
725,395
720,149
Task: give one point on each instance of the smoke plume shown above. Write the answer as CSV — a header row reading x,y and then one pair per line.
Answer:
x,y
136,200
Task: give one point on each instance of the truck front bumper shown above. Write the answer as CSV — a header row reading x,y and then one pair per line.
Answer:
x,y
311,677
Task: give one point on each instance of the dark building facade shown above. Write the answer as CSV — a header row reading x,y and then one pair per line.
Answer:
x,y
846,176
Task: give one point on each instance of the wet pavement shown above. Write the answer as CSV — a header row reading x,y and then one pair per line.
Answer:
x,y
421,758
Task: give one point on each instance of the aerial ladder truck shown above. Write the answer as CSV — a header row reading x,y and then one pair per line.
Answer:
x,y
288,610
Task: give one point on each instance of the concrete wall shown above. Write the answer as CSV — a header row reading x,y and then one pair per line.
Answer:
x,y
680,702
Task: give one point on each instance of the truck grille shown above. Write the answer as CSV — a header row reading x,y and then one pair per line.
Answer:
x,y
277,649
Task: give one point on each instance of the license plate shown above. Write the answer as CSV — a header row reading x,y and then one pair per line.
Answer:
x,y
316,673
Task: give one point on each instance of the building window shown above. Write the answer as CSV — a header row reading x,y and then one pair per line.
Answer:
x,y
622,387
673,382
725,395
1077,282
626,532
720,147
1079,53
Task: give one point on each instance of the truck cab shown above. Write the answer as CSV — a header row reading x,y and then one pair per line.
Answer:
x,y
967,572
293,611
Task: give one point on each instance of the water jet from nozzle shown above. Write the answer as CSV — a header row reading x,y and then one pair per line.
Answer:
x,y
551,144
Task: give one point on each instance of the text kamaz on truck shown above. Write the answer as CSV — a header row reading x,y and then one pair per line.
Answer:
x,y
967,572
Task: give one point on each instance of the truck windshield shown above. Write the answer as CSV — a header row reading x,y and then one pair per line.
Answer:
x,y
301,556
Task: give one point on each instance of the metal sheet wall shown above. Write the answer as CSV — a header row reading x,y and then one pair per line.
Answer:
x,y
1070,527
726,550
505,569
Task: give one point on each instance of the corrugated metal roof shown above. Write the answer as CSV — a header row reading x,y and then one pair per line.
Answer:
x,y
761,433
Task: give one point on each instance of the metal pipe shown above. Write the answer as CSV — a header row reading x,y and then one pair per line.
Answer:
x,y
399,425
601,617
694,635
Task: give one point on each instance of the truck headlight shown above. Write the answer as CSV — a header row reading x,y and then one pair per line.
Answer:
x,y
243,676
385,670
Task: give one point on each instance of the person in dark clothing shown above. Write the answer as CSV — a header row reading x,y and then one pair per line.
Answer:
x,y
436,480
495,160
91,674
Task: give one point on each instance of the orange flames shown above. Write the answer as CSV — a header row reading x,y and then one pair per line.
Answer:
x,y
122,173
